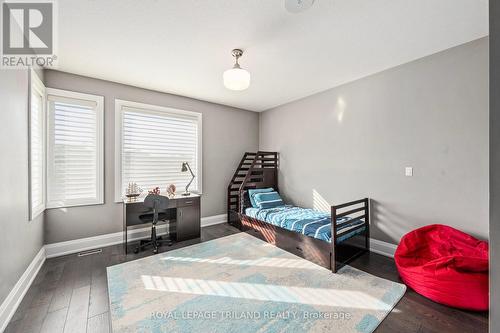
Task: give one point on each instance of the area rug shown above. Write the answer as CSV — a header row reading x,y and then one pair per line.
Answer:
x,y
241,284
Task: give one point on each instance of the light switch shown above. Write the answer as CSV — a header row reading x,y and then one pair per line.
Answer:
x,y
409,171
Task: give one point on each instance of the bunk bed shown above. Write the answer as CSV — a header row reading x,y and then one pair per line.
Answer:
x,y
307,233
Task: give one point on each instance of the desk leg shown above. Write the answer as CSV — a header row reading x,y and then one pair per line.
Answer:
x,y
125,227
125,236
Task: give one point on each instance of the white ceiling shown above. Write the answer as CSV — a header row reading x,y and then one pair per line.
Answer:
x,y
183,46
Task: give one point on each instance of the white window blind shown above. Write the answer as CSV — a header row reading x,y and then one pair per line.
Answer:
x,y
75,158
37,146
152,144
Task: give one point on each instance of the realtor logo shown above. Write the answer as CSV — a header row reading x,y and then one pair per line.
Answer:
x,y
28,33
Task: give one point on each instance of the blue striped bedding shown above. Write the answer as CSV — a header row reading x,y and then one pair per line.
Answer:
x,y
309,222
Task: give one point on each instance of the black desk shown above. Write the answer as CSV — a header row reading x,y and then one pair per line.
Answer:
x,y
183,214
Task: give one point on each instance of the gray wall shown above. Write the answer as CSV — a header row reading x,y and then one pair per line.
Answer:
x,y
494,166
227,134
20,239
355,140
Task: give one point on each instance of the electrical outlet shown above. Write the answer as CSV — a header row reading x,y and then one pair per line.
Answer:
x,y
409,171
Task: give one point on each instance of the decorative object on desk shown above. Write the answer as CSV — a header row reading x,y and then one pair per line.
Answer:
x,y
171,190
133,191
186,167
156,191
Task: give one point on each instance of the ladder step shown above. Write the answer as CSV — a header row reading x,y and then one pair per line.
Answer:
x,y
256,180
266,164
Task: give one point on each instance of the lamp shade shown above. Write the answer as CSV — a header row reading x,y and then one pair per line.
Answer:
x,y
236,79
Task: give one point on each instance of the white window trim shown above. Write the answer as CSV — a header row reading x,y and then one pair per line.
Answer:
x,y
119,104
36,84
99,100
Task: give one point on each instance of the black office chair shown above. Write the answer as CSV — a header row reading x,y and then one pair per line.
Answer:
x,y
157,203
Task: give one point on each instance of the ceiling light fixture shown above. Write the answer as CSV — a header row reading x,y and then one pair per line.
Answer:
x,y
298,6
236,78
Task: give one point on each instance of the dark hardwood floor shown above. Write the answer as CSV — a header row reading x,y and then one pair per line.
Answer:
x,y
70,294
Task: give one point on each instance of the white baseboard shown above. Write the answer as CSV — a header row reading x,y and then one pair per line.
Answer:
x,y
89,243
212,220
10,304
383,248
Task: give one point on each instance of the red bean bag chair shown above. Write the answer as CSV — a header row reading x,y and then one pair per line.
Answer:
x,y
446,265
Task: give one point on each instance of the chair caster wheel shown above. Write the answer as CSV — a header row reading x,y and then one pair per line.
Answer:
x,y
155,251
136,250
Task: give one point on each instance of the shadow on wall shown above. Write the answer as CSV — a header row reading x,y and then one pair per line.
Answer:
x,y
319,203
285,186
383,221
386,225
387,222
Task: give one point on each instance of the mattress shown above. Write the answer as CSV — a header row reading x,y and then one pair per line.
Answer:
x,y
307,221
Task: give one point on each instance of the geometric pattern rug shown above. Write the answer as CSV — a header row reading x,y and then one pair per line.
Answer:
x,y
241,284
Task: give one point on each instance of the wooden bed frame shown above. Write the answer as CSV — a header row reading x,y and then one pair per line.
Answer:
x,y
260,170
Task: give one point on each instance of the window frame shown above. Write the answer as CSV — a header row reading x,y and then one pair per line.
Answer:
x,y
36,84
99,100
119,105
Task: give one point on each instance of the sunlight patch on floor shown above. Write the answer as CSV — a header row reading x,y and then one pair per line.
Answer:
x,y
265,292
261,262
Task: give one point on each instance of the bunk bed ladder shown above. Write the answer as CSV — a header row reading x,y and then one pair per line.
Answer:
x,y
256,170
234,186
256,177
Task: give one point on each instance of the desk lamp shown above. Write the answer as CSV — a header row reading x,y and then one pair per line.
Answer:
x,y
185,168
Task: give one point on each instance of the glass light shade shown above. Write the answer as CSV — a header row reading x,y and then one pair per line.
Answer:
x,y
236,79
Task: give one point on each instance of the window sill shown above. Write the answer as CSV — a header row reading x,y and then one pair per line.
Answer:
x,y
70,205
36,213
